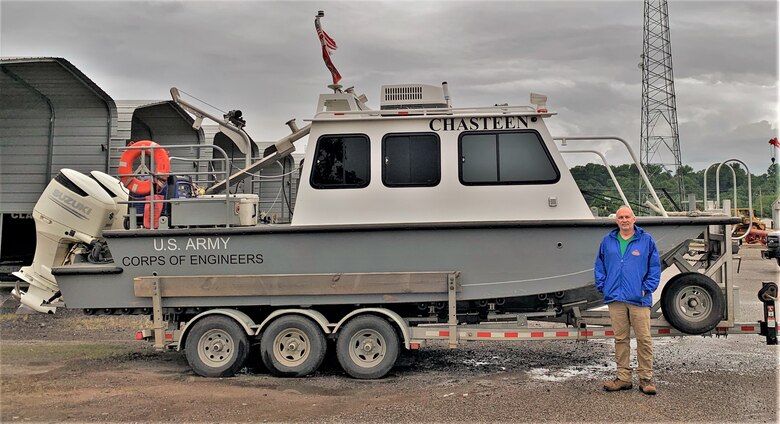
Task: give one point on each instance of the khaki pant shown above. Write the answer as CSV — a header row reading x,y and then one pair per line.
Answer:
x,y
624,317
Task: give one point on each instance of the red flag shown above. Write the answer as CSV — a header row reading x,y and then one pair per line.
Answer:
x,y
328,47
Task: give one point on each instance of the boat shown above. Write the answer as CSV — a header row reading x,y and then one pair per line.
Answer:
x,y
415,187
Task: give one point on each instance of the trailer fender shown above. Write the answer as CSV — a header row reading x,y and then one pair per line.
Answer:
x,y
241,318
399,322
314,315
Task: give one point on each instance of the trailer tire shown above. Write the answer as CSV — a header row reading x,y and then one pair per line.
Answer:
x,y
292,346
367,347
692,303
216,346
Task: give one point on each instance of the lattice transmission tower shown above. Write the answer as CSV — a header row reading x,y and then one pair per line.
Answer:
x,y
659,138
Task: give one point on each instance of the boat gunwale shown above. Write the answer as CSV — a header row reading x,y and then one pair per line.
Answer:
x,y
426,226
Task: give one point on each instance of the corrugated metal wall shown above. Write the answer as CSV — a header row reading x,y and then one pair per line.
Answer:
x,y
277,194
51,117
159,121
24,145
80,130
162,122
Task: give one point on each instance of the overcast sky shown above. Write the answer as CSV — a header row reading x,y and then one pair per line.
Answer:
x,y
264,58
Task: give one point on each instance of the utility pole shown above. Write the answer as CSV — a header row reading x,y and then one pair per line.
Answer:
x,y
659,138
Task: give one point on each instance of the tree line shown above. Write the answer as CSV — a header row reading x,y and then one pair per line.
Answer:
x,y
600,192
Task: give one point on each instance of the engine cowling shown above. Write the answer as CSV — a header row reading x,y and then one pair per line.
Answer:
x,y
118,192
72,209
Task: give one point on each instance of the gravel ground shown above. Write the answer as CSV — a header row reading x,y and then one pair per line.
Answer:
x,y
70,367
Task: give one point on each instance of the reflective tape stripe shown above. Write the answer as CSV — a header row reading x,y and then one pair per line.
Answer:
x,y
581,334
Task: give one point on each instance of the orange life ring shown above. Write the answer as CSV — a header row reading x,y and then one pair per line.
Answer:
x,y
142,184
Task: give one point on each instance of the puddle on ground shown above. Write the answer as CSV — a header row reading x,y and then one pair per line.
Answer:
x,y
564,374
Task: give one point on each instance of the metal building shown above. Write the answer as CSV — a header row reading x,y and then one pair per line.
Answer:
x,y
162,121
51,116
168,124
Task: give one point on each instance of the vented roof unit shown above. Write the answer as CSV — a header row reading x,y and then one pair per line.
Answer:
x,y
413,96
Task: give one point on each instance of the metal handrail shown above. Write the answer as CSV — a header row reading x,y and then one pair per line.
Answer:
x,y
717,184
717,187
154,175
633,156
609,170
749,196
486,110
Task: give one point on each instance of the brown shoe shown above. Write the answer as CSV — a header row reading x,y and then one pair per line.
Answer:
x,y
617,384
647,386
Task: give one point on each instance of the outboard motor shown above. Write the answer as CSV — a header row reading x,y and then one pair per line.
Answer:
x,y
118,192
73,210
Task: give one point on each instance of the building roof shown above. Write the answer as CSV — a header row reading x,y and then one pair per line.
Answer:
x,y
67,66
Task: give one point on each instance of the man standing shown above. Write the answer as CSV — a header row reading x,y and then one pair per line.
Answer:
x,y
627,272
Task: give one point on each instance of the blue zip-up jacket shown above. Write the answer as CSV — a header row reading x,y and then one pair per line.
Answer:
x,y
624,278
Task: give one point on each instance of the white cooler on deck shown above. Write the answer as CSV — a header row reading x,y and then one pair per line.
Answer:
x,y
211,210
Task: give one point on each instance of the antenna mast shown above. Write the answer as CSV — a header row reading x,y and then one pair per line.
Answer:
x,y
659,138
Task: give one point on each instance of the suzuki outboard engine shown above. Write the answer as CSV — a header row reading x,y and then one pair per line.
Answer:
x,y
73,210
118,192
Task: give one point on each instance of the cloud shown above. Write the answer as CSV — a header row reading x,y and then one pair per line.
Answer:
x,y
264,58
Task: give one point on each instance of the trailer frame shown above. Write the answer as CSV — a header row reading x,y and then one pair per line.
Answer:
x,y
169,332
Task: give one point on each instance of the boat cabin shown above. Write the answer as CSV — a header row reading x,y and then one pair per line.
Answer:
x,y
419,160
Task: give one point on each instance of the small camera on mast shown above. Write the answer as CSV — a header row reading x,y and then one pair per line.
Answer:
x,y
235,118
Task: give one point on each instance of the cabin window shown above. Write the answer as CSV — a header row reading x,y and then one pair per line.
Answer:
x,y
516,157
341,162
411,160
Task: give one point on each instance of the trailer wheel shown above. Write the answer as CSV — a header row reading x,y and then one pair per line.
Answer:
x,y
292,346
216,347
692,303
367,347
